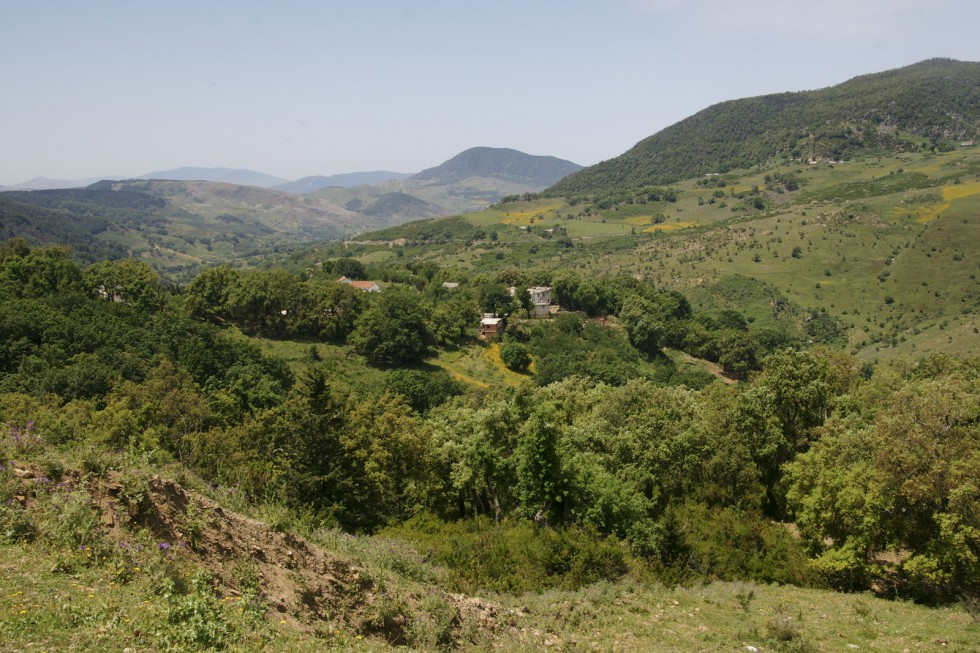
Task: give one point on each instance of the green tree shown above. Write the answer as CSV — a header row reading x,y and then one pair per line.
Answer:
x,y
737,355
471,456
132,282
329,312
454,319
349,267
207,296
906,480
33,273
394,330
642,324
493,297
516,356
540,487
262,301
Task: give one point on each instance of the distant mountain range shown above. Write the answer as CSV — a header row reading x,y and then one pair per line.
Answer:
x,y
933,104
346,180
44,183
241,176
504,166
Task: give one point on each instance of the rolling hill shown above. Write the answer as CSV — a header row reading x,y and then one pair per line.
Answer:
x,y
877,254
934,104
398,206
174,225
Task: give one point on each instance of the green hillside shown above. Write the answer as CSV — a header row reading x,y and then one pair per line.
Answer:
x,y
885,247
934,104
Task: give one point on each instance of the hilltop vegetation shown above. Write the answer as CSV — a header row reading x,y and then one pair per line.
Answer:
x,y
934,104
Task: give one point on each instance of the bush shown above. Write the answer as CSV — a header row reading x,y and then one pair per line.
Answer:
x,y
516,557
15,524
841,569
734,544
925,580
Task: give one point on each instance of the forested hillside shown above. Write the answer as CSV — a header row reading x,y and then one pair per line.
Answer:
x,y
934,104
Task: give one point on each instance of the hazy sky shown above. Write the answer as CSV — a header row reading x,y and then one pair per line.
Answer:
x,y
295,88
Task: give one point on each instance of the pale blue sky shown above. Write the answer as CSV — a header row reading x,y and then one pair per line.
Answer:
x,y
295,88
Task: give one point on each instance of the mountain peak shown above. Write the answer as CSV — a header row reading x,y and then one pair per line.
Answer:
x,y
499,163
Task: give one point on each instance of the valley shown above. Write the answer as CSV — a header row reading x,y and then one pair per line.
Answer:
x,y
719,393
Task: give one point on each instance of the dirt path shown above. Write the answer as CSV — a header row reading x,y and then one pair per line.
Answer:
x,y
712,368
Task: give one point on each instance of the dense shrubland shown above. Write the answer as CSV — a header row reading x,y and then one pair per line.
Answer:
x,y
606,465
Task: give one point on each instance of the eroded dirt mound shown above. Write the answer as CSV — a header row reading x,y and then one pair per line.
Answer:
x,y
299,581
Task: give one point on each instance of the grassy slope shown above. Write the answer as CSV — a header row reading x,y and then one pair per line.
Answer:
x,y
58,598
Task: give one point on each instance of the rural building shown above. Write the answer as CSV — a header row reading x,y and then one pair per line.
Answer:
x,y
450,285
540,294
540,301
366,286
490,326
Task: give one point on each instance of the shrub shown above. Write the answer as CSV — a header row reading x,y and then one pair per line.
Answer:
x,y
15,524
516,557
925,580
195,619
734,544
841,569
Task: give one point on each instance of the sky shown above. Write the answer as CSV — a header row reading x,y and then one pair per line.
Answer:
x,y
300,87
